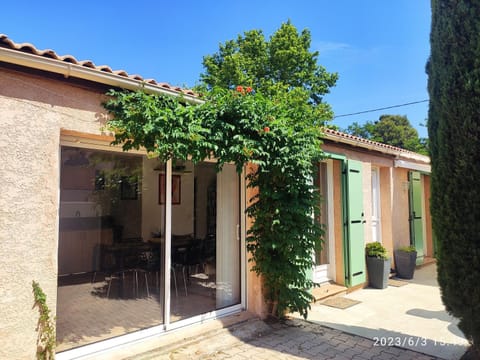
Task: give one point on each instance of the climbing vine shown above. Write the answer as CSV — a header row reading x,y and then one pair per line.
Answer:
x,y
45,326
280,136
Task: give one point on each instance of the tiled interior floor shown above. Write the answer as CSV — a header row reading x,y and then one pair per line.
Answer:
x,y
86,315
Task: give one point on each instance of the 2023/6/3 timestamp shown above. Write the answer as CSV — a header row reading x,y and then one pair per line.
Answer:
x,y
412,341
401,341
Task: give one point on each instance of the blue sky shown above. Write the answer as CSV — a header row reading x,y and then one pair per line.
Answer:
x,y
379,48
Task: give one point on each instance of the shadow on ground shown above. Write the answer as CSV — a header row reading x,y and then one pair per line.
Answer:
x,y
439,315
386,337
272,339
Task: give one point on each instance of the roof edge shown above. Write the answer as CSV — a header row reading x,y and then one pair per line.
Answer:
x,y
344,138
69,69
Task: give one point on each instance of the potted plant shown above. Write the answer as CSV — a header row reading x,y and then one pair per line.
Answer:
x,y
378,265
405,261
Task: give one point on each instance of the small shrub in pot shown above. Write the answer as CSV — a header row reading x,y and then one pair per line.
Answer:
x,y
405,261
378,265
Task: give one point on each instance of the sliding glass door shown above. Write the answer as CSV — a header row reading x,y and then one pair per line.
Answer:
x,y
143,243
110,248
205,246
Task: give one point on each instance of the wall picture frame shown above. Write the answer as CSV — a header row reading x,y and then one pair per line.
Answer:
x,y
176,189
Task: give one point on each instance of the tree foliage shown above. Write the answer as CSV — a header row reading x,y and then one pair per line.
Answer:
x,y
263,105
242,126
282,63
394,130
454,132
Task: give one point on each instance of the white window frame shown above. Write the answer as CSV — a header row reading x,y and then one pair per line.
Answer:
x,y
376,205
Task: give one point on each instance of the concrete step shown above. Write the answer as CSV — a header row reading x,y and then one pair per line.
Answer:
x,y
202,346
427,260
328,290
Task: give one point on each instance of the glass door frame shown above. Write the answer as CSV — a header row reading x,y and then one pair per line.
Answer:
x,y
94,142
168,325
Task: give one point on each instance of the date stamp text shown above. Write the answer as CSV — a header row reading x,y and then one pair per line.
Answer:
x,y
401,341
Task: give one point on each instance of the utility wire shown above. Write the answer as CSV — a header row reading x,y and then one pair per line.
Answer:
x,y
383,108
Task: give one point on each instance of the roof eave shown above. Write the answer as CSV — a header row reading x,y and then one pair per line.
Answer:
x,y
73,70
375,147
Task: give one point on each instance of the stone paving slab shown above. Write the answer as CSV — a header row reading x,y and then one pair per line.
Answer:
x,y
411,316
290,339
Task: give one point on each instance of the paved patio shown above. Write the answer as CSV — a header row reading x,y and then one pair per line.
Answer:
x,y
411,316
407,322
256,339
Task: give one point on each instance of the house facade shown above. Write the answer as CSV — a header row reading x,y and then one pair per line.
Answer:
x,y
372,192
126,247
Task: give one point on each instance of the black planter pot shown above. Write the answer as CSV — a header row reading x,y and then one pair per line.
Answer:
x,y
405,263
378,271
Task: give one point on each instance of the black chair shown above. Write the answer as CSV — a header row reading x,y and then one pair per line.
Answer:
x,y
179,262
129,261
150,262
104,261
195,256
209,254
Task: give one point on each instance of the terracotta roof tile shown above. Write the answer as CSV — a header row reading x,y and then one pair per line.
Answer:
x,y
361,140
121,73
87,63
6,42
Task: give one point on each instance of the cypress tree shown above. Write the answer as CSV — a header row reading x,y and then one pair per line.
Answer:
x,y
454,131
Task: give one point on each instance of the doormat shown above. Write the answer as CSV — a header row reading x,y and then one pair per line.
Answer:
x,y
340,302
397,283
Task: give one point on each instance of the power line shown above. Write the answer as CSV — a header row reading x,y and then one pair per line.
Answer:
x,y
383,108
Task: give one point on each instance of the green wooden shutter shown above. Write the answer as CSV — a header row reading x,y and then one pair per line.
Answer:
x,y
355,242
416,214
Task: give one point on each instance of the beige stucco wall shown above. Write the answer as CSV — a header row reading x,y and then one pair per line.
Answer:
x,y
255,295
359,154
33,110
